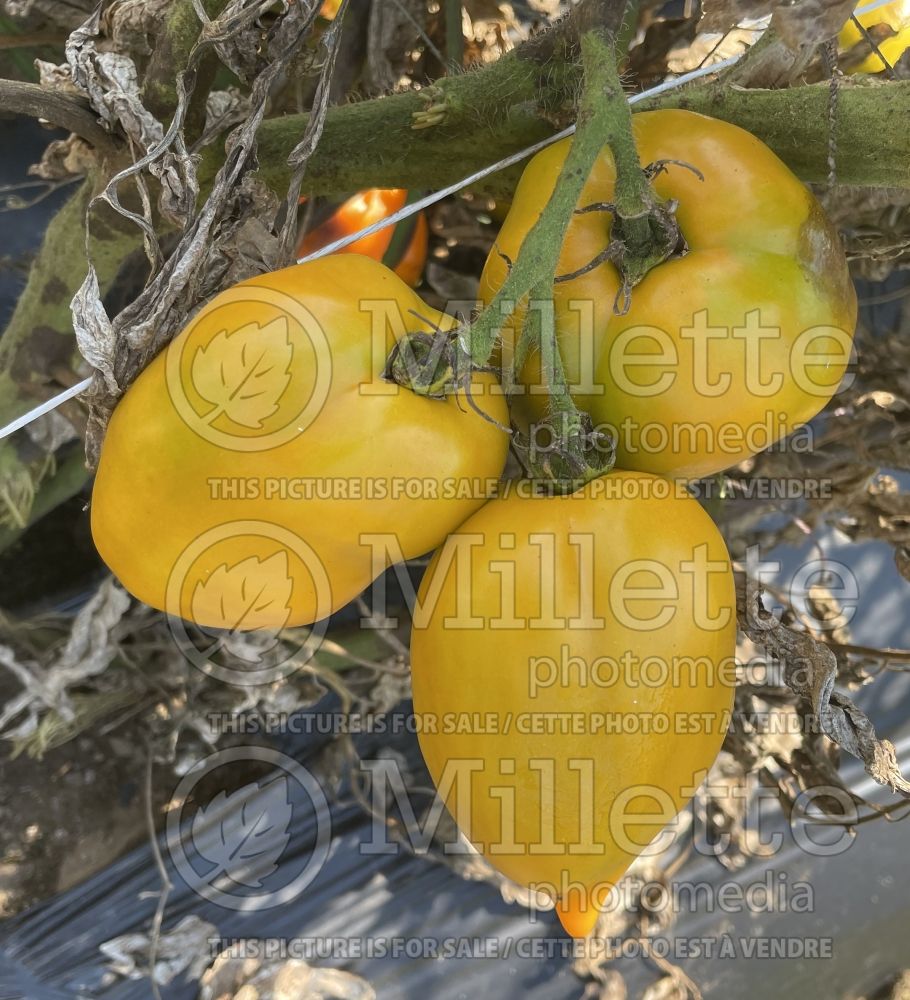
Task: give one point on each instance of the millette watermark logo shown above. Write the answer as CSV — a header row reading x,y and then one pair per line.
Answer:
x,y
234,847
239,587
250,384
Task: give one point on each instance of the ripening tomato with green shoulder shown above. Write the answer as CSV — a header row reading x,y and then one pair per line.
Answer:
x,y
573,667
261,471
742,336
889,25
364,209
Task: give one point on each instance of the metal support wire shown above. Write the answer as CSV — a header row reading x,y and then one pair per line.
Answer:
x,y
412,209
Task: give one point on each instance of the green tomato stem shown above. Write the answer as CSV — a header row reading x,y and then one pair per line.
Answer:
x,y
603,119
602,112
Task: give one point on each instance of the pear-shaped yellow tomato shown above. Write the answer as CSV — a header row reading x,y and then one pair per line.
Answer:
x,y
261,472
727,347
892,42
573,663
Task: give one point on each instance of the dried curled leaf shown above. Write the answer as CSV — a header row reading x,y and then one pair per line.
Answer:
x,y
88,651
94,333
65,158
223,110
133,24
58,78
811,671
240,229
182,949
810,23
111,81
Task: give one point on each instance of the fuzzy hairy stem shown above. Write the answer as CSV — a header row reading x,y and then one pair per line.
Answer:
x,y
632,194
454,127
645,232
603,114
873,140
372,143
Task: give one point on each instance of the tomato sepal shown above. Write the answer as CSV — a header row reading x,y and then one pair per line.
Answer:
x,y
573,453
424,363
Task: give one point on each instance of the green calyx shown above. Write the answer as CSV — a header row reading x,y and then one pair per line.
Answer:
x,y
425,363
565,451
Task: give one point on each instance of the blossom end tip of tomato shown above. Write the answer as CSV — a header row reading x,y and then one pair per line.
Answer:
x,y
578,919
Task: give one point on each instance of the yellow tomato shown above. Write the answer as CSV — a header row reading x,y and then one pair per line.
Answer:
x,y
261,472
727,348
572,663
897,17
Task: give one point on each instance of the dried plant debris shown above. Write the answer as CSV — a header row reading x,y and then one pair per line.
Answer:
x,y
182,950
810,23
866,429
87,652
239,230
640,907
722,15
810,671
396,32
798,47
64,159
118,659
875,223
235,977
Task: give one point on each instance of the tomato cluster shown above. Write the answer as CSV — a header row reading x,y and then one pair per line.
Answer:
x,y
266,467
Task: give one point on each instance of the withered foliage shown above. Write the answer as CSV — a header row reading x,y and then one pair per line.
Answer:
x,y
214,242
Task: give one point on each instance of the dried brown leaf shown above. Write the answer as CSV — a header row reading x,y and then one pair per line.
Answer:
x,y
810,23
810,669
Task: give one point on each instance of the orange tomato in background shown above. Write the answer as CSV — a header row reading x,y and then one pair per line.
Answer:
x,y
363,210
329,9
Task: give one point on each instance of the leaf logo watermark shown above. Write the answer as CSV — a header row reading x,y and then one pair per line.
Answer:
x,y
235,849
247,593
252,832
245,373
236,586
255,386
